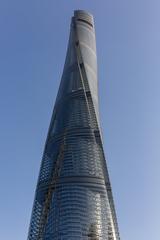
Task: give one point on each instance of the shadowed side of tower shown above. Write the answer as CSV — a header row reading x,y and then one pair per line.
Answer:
x,y
73,199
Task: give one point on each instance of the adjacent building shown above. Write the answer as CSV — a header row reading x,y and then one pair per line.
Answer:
x,y
73,199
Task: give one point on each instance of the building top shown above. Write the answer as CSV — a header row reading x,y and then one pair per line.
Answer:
x,y
83,15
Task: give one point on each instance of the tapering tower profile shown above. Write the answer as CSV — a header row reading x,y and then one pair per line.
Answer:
x,y
73,199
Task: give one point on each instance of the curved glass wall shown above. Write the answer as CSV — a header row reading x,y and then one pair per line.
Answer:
x,y
73,199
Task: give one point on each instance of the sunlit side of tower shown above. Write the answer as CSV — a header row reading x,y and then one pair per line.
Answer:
x,y
73,199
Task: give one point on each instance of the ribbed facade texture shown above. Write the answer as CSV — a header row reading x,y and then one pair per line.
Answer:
x,y
73,199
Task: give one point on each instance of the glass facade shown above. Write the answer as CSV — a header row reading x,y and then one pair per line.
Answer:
x,y
73,199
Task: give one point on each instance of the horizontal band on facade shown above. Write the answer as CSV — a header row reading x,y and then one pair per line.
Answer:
x,y
73,132
85,21
85,180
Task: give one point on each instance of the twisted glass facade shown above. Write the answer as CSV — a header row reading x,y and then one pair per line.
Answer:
x,y
73,199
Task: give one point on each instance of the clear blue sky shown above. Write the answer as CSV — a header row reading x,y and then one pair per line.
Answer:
x,y
34,35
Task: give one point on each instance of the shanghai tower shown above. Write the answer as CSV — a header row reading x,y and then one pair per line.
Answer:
x,y
73,199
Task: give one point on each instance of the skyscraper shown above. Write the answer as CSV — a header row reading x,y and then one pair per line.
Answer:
x,y
73,199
